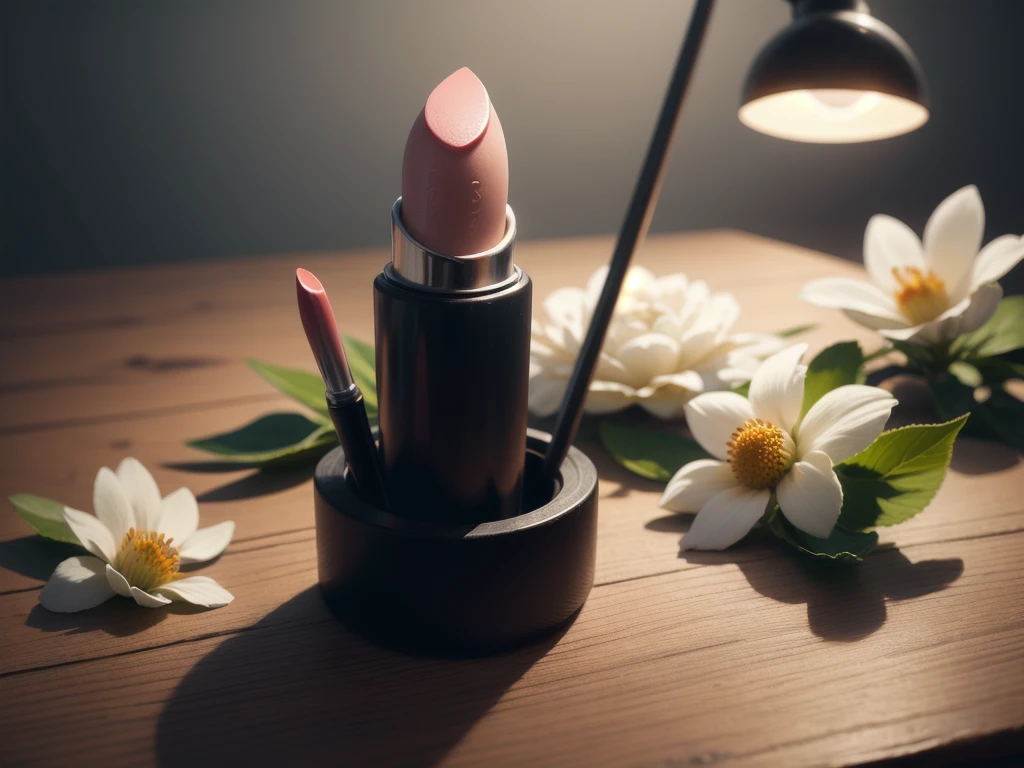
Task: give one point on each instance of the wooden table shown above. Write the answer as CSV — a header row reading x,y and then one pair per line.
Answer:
x,y
743,657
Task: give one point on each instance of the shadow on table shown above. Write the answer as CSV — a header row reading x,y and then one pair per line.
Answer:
x,y
982,457
315,693
118,617
34,556
261,482
844,603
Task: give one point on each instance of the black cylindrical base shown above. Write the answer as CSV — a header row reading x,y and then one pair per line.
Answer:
x,y
453,372
459,589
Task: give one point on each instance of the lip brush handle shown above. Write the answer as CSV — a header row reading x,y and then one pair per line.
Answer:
x,y
638,218
356,438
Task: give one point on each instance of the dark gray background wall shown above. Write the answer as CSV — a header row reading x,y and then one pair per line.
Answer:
x,y
143,131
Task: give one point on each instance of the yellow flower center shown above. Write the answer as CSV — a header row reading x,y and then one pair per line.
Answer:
x,y
147,560
758,454
921,296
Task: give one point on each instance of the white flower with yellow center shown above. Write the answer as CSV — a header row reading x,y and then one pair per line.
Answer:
x,y
139,541
669,339
762,447
929,292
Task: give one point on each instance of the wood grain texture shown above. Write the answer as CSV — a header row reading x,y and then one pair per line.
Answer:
x,y
144,340
761,663
744,657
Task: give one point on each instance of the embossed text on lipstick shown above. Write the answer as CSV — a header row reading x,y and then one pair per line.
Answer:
x,y
476,199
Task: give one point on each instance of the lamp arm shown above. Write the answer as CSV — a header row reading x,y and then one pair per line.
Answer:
x,y
634,228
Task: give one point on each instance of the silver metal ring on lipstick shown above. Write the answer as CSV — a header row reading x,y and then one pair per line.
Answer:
x,y
415,264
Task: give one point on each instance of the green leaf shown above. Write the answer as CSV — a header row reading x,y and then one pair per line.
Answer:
x,y
896,476
277,438
996,370
796,330
965,373
882,351
833,367
917,354
999,418
45,516
1004,332
649,453
361,360
307,388
840,547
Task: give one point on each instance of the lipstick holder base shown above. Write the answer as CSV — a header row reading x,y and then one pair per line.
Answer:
x,y
451,589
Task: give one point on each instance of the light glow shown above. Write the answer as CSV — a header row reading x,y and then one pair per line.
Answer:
x,y
833,116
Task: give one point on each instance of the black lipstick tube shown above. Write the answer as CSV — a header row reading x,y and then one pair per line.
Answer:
x,y
453,368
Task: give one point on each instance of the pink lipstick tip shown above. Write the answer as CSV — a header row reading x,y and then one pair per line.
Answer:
x,y
322,331
306,281
455,170
458,110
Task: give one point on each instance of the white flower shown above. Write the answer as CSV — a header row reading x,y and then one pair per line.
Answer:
x,y
668,340
133,537
761,446
928,293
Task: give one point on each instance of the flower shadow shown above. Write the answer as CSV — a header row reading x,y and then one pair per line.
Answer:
x,y
35,557
300,688
118,617
846,604
982,457
677,522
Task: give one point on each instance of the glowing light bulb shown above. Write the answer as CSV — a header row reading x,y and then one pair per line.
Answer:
x,y
837,104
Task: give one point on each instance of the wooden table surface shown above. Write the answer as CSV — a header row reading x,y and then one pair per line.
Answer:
x,y
743,657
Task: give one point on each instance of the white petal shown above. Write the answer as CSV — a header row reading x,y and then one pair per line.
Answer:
x,y
198,590
697,297
608,397
810,495
952,236
179,515
206,543
981,306
844,421
111,504
726,518
695,483
148,599
697,343
76,584
118,582
967,315
140,487
91,533
671,290
667,395
608,369
854,295
890,244
926,333
546,392
565,307
997,258
714,416
777,389
875,323
647,356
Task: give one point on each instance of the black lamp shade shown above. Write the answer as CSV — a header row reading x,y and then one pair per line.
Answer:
x,y
831,77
